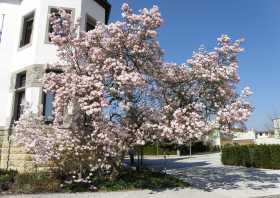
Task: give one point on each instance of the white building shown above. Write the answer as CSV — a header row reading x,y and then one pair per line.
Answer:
x,y
276,126
264,134
25,49
245,137
241,137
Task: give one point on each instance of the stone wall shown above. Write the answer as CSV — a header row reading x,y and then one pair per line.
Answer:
x,y
1,141
13,157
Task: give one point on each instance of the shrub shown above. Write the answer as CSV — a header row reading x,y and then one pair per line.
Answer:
x,y
275,156
197,147
145,179
153,150
258,156
6,179
171,149
35,183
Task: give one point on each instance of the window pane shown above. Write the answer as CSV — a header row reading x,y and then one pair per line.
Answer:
x,y
90,23
21,80
90,27
48,106
27,30
19,104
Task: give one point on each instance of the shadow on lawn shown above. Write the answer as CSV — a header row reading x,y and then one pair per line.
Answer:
x,y
202,176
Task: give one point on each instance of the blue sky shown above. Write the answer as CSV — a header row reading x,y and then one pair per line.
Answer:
x,y
190,23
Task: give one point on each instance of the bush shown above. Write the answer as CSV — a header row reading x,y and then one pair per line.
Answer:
x,y
160,150
129,179
171,149
6,179
197,147
36,183
258,156
145,179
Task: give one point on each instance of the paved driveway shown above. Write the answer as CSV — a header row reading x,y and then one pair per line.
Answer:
x,y
206,172
209,179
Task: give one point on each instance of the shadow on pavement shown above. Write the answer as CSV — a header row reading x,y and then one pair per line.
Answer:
x,y
206,176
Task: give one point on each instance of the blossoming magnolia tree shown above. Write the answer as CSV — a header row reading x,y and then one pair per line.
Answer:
x,y
200,95
125,95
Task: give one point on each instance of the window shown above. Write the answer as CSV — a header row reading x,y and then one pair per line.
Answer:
x,y
90,23
19,95
48,99
27,29
2,17
56,11
21,80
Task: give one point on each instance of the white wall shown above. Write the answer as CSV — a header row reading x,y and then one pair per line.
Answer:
x,y
45,51
25,56
7,50
13,58
276,125
33,96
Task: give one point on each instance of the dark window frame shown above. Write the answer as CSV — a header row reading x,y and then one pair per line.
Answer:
x,y
19,95
20,80
48,118
18,105
27,29
89,20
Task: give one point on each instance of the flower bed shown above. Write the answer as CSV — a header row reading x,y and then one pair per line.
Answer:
x,y
13,182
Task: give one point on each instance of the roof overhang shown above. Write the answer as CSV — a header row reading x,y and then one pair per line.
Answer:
x,y
107,6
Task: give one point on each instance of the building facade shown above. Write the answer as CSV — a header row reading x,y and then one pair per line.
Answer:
x,y
276,126
25,49
245,137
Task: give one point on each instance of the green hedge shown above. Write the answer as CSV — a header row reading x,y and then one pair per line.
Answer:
x,y
258,156
154,150
171,149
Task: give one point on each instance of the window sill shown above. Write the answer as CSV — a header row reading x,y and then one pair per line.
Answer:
x,y
19,89
24,46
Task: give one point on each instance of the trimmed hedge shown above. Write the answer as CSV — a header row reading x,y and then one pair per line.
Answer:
x,y
258,156
153,150
171,149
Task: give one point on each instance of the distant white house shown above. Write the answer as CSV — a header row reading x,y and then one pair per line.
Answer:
x,y
244,137
276,126
217,138
264,134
